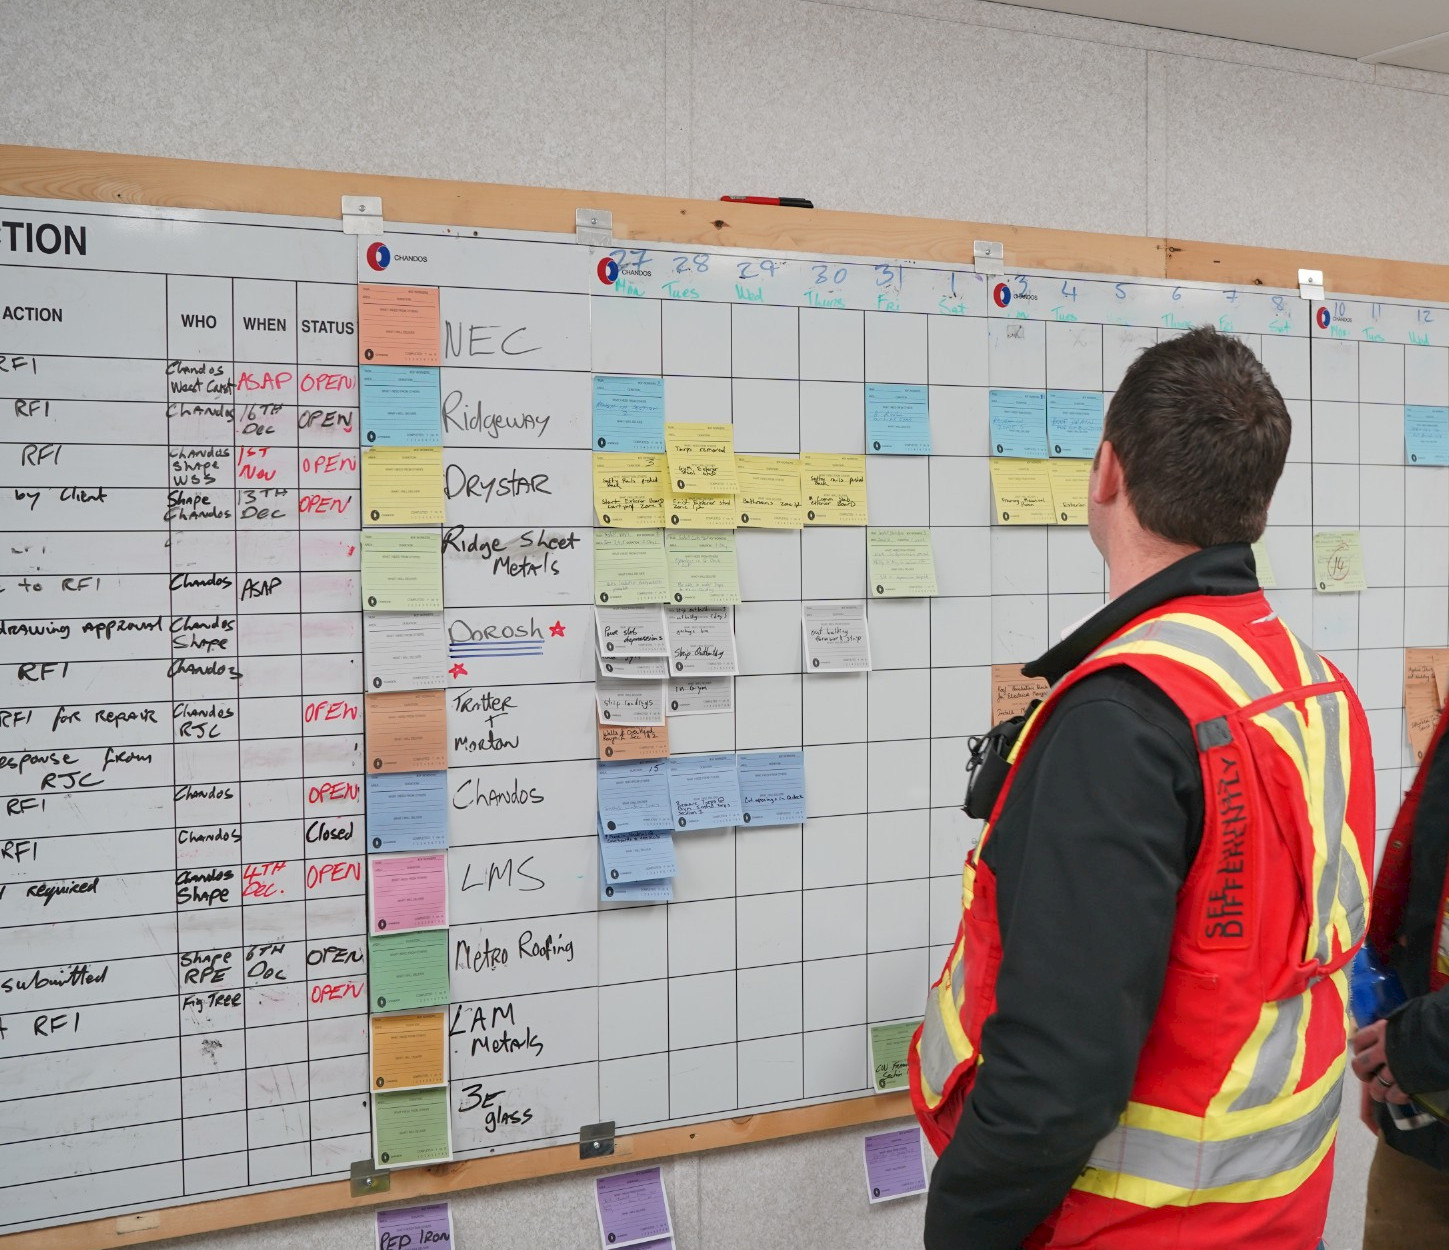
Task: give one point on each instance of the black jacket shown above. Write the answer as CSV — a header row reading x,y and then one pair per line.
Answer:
x,y
1091,847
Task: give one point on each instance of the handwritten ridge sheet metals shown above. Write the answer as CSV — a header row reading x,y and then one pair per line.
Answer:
x,y
837,637
408,892
631,630
407,811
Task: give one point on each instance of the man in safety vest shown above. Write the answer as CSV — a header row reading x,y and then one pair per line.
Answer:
x,y
1138,1039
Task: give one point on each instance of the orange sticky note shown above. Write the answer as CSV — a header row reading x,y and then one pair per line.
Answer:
x,y
1012,691
397,325
409,1051
633,742
407,731
1422,693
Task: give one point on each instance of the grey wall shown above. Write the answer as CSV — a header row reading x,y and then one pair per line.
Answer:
x,y
942,108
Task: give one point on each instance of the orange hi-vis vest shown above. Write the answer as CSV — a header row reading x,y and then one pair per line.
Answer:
x,y
1227,1138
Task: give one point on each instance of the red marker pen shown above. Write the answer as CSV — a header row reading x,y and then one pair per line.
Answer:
x,y
786,201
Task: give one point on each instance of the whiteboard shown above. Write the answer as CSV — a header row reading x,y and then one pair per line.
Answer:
x,y
183,1012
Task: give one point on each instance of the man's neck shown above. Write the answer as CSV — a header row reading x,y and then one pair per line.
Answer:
x,y
1140,559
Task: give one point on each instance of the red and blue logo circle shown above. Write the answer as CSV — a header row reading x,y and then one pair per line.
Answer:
x,y
379,256
1001,293
608,271
1323,318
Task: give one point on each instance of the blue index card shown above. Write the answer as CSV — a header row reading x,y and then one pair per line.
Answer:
x,y
634,796
644,856
705,791
1018,424
1426,434
406,811
1074,423
401,406
772,787
897,420
628,414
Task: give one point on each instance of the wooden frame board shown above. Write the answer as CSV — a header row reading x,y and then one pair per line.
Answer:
x,y
57,174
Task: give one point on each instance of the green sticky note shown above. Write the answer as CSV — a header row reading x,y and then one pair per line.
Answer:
x,y
411,1126
890,1045
1338,561
629,567
408,970
900,563
703,568
402,570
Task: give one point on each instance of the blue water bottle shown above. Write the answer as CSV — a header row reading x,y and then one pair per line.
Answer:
x,y
1373,990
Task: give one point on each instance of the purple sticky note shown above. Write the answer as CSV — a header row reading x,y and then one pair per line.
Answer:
x,y
409,1228
894,1167
632,1210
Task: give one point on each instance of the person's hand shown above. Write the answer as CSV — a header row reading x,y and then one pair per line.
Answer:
x,y
1371,1064
1366,1110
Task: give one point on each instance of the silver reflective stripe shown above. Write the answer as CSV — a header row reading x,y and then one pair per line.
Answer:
x,y
1199,642
938,1060
1193,1166
1280,715
1317,669
958,980
1335,803
1275,1057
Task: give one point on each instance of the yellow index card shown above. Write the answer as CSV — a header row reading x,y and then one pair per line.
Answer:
x,y
1023,492
629,567
769,493
701,458
1069,480
833,488
630,489
703,569
402,485
900,563
408,1051
1338,561
700,512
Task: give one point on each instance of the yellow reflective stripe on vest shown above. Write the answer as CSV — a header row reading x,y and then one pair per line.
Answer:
x,y
944,1045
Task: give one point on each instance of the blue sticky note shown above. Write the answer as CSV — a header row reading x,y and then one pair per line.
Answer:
x,y
1074,423
772,787
628,414
634,796
1426,434
705,791
660,890
644,856
401,406
407,811
897,420
1018,424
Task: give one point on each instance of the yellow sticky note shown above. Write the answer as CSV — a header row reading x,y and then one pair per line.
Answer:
x,y
409,1050
629,490
900,562
402,485
1069,480
1023,492
1338,561
402,571
629,567
703,569
769,493
700,512
701,458
833,488
1266,578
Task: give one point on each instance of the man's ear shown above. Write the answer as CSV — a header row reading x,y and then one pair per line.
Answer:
x,y
1107,481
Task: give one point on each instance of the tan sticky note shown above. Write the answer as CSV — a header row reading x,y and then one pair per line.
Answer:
x,y
409,1051
633,742
407,731
1421,694
1012,691
397,325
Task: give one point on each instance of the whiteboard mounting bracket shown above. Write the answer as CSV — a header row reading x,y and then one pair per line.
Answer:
x,y
1310,284
594,227
366,1179
989,257
362,214
596,1140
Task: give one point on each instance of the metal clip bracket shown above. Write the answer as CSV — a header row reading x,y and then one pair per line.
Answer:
x,y
1310,284
362,214
594,227
596,1140
990,257
366,1179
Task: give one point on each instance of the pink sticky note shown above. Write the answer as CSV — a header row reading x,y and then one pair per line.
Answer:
x,y
408,892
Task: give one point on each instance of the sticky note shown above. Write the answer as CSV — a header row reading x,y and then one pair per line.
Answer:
x,y
698,696
769,493
1338,561
890,1046
625,701
772,787
1069,481
637,630
404,650
629,567
634,796
703,568
628,414
402,406
701,640
900,562
632,1208
407,811
1023,492
411,1228
701,458
660,891
634,667
1012,691
704,791
407,732
630,489
837,639
894,1167
406,971
644,856
397,325
409,1050
1266,577
1426,434
402,485
701,512
1018,424
407,892
411,1126
633,742
897,420
1074,423
1423,694
833,488
402,570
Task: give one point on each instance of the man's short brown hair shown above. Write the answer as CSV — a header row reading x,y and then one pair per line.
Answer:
x,y
1202,434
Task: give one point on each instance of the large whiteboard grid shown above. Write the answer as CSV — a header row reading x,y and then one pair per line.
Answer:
x,y
753,988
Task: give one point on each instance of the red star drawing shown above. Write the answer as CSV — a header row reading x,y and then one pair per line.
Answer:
x,y
556,630
457,671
